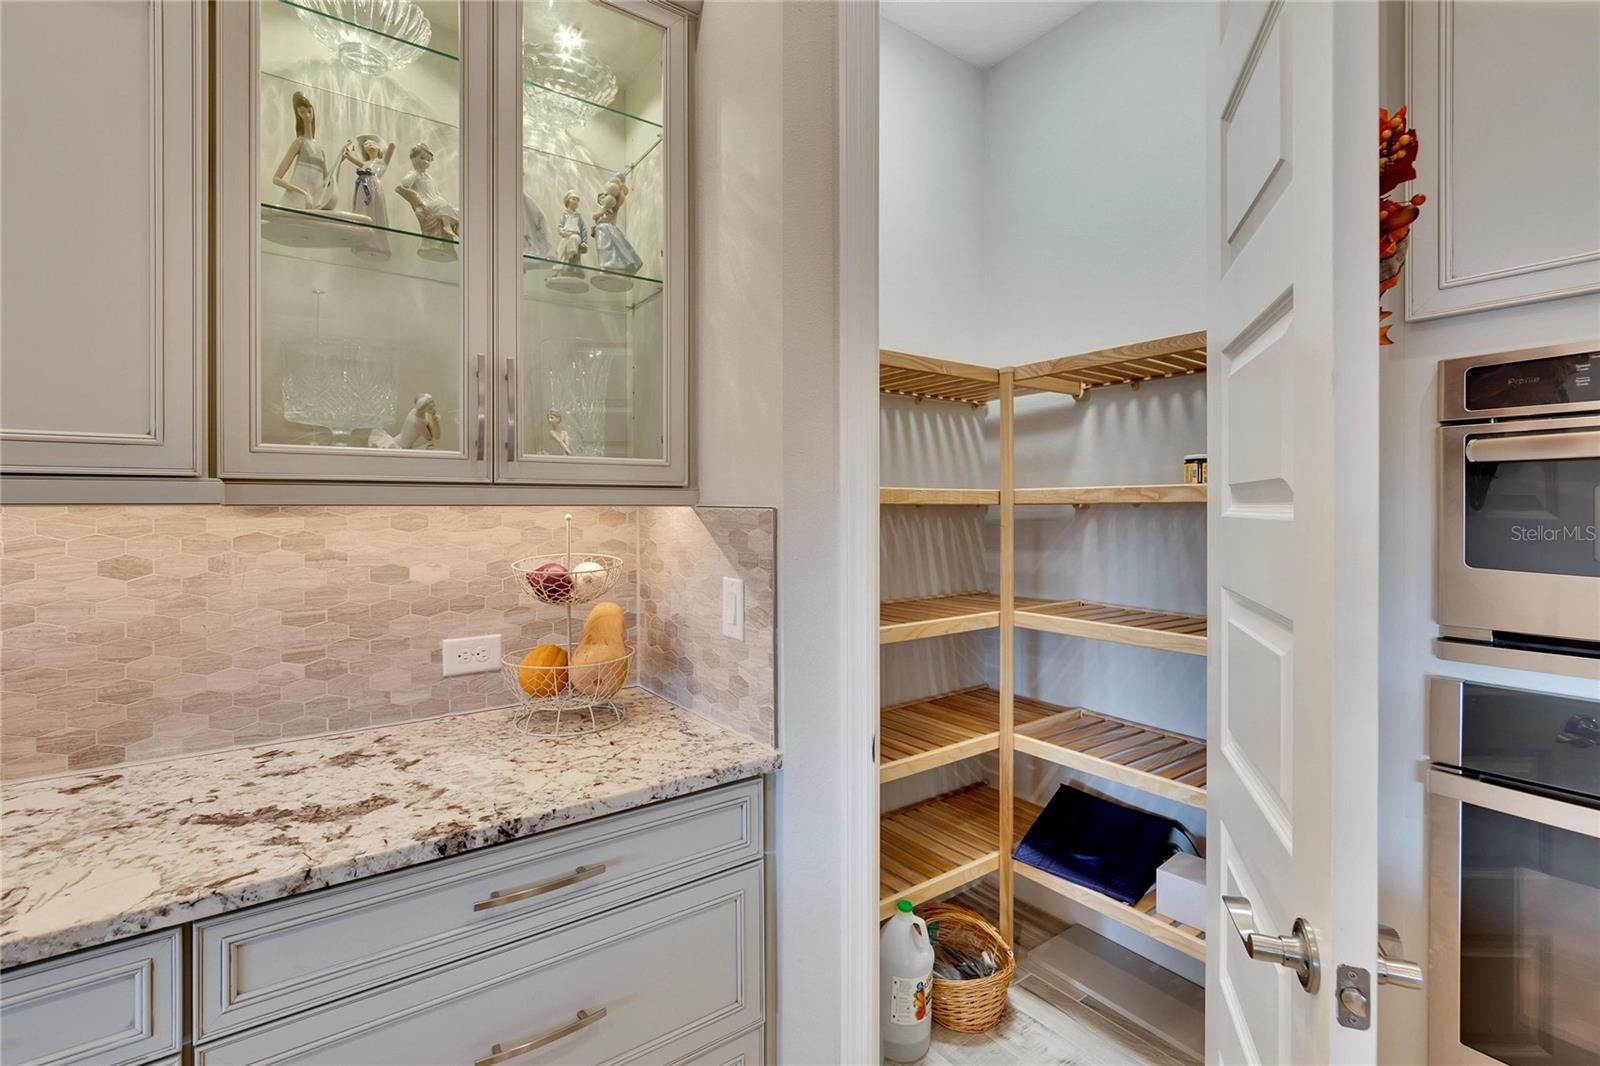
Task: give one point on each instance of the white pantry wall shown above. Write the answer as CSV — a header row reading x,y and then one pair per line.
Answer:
x,y
1090,207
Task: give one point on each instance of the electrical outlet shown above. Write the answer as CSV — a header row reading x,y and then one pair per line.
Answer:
x,y
733,608
472,655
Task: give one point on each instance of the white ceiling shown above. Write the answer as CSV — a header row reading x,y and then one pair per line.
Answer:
x,y
982,32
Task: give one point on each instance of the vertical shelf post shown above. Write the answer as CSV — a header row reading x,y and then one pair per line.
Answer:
x,y
1007,648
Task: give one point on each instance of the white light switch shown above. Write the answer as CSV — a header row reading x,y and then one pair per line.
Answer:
x,y
733,608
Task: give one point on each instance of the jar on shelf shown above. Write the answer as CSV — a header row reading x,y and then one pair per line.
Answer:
x,y
1194,469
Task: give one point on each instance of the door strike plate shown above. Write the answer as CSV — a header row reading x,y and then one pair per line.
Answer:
x,y
1352,997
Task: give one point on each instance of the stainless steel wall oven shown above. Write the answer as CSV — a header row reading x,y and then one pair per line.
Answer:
x,y
1519,492
1514,876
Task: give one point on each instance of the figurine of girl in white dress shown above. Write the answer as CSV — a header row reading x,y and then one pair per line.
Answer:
x,y
303,174
371,160
612,248
574,234
436,216
419,431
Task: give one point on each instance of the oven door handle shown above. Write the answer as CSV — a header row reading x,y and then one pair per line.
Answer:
x,y
1534,446
1573,817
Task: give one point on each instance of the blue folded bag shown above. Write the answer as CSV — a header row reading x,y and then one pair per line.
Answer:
x,y
1098,844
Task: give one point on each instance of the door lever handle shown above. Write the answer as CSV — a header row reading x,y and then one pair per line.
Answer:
x,y
1392,969
1297,951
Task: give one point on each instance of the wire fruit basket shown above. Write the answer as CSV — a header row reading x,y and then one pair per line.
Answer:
x,y
568,689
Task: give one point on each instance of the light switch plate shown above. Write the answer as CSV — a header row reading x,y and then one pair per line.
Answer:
x,y
472,655
733,608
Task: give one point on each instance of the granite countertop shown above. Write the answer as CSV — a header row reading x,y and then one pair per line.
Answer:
x,y
94,857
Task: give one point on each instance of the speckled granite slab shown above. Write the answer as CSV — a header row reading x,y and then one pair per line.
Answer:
x,y
93,857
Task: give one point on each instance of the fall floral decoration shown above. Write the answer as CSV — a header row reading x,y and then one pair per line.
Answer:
x,y
1397,163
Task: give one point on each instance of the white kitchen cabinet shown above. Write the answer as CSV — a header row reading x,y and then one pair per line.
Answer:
x,y
355,279
650,982
113,1006
104,260
271,961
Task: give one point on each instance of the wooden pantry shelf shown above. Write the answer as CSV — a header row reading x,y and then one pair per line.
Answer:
x,y
938,845
939,730
938,616
1171,765
1130,494
1127,364
1163,630
939,497
1141,917
922,378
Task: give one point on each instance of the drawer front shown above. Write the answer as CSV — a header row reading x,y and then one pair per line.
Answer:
x,y
117,1004
746,1049
653,980
274,960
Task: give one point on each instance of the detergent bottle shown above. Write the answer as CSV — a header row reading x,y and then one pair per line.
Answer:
x,y
905,970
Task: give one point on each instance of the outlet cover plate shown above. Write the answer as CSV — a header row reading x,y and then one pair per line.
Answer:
x,y
472,655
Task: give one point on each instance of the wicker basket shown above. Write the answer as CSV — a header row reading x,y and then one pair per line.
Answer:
x,y
976,1005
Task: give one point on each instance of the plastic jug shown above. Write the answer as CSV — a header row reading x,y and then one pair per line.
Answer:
x,y
905,971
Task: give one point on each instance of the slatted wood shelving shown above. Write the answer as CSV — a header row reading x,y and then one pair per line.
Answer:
x,y
1141,917
938,616
939,497
935,847
938,845
1163,630
1152,760
1127,364
922,378
939,730
1127,494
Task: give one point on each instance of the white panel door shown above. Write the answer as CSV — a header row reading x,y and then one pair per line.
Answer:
x,y
1293,582
102,335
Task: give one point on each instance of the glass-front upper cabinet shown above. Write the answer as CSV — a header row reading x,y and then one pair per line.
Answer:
x,y
449,241
592,329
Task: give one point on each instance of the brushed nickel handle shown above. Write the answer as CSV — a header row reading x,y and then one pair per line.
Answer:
x,y
1392,969
1297,951
483,412
1534,446
511,408
511,895
500,1053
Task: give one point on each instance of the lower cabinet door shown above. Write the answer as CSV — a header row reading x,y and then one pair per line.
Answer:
x,y
746,1049
651,981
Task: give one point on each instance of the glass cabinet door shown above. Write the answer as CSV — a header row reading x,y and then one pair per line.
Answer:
x,y
592,382
367,240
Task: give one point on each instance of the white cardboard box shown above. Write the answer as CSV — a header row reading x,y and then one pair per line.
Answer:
x,y
1181,889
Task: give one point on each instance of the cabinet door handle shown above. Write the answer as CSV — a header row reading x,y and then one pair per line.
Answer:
x,y
511,408
500,1053
483,413
511,895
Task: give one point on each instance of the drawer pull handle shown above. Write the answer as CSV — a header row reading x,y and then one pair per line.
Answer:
x,y
512,895
500,1053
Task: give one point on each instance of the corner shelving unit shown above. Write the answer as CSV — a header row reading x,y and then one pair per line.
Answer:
x,y
938,845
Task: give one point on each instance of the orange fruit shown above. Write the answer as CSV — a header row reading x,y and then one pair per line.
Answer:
x,y
543,671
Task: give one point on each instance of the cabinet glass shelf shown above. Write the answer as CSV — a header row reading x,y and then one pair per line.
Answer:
x,y
343,242
307,11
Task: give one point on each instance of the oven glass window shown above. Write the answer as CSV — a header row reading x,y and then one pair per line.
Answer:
x,y
1530,941
1537,516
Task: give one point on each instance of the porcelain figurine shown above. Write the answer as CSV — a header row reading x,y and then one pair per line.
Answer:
x,y
562,439
612,247
303,175
421,427
535,230
371,159
573,232
436,216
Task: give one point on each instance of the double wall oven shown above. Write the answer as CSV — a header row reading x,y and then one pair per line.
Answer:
x,y
1514,876
1519,492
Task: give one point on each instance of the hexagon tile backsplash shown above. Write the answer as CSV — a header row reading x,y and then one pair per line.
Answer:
x,y
132,633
